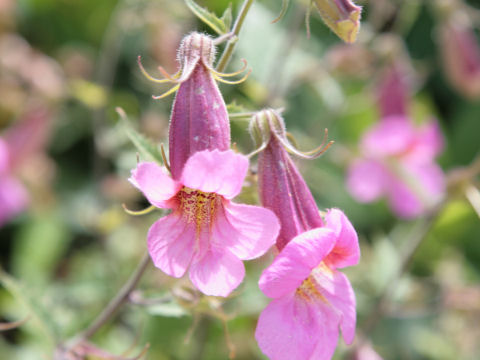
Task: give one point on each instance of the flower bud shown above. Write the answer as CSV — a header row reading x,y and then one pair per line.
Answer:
x,y
461,55
341,16
199,119
396,77
392,92
281,187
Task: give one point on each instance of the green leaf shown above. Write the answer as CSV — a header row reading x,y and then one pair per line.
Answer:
x,y
144,145
209,18
234,107
227,17
40,314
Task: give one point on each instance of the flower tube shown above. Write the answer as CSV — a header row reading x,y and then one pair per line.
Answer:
x,y
199,119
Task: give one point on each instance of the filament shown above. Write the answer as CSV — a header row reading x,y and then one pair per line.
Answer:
x,y
165,94
150,77
139,212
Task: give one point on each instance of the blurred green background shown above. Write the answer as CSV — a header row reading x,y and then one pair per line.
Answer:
x,y
68,255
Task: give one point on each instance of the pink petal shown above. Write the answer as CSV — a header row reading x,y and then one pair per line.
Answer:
x,y
392,136
220,172
290,328
246,231
171,244
295,262
328,334
403,201
346,251
154,183
336,288
425,187
217,273
431,178
13,198
4,157
366,180
430,141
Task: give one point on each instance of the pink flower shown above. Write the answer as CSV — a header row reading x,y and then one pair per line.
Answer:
x,y
312,300
205,232
398,162
199,119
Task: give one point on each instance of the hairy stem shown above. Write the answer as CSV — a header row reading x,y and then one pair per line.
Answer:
x,y
230,47
118,300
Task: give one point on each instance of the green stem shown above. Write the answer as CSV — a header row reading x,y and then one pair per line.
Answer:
x,y
418,234
117,301
230,47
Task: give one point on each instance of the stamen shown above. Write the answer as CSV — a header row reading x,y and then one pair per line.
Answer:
x,y
282,11
238,72
233,82
165,94
173,78
139,212
307,18
148,76
312,154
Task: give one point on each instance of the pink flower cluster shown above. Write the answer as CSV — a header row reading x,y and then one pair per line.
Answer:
x,y
209,235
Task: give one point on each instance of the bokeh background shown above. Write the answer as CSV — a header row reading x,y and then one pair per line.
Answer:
x,y
68,64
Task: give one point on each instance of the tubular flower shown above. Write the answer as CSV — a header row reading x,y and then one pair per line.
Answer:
x,y
281,186
199,119
205,232
341,16
398,161
312,300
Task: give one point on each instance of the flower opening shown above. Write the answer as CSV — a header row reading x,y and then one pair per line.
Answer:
x,y
206,232
311,299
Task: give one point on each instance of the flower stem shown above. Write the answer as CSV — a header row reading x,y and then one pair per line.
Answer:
x,y
117,301
418,234
230,47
